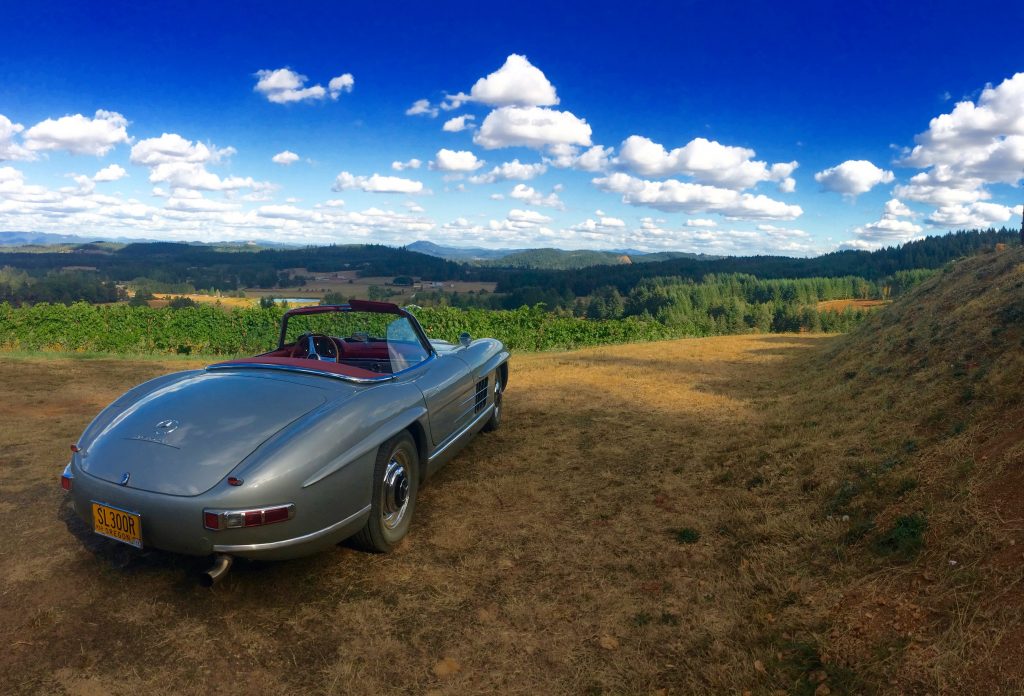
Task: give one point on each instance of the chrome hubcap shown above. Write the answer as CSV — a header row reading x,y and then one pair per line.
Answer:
x,y
395,490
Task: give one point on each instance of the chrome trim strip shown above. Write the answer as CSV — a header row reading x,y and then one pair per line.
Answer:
x,y
318,373
455,438
285,543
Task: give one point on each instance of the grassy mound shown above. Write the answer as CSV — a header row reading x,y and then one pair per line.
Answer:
x,y
920,463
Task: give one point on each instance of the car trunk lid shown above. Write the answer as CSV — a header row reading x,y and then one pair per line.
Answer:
x,y
185,437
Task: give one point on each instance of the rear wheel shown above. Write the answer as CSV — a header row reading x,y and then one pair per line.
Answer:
x,y
395,485
495,420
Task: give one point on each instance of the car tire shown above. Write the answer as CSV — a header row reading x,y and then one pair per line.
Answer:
x,y
395,485
494,421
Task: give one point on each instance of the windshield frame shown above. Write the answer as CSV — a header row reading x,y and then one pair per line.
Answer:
x,y
361,306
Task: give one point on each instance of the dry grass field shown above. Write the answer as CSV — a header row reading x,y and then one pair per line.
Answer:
x,y
763,514
162,299
840,305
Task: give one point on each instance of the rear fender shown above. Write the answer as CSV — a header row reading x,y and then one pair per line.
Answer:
x,y
332,437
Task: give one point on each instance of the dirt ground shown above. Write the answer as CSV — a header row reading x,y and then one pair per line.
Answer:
x,y
543,558
648,520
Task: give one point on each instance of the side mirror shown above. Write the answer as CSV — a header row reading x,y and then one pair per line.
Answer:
x,y
465,339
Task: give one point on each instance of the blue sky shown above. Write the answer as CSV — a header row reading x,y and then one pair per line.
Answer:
x,y
732,128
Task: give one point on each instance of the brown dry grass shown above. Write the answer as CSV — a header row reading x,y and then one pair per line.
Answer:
x,y
553,556
162,299
840,305
533,549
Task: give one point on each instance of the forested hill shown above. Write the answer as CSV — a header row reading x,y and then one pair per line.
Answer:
x,y
931,252
232,268
206,267
560,259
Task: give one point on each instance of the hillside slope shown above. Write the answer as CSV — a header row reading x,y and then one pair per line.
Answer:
x,y
922,466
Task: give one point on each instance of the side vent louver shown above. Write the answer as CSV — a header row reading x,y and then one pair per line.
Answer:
x,y
481,395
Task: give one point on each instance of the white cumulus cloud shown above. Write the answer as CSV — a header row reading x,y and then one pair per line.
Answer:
x,y
853,177
408,164
707,161
974,215
897,208
285,86
942,185
514,170
672,195
517,83
171,147
10,150
456,161
376,184
111,173
979,140
887,231
339,84
421,107
78,134
458,123
533,126
285,157
531,196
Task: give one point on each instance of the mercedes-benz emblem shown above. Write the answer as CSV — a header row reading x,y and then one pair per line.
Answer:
x,y
124,478
166,427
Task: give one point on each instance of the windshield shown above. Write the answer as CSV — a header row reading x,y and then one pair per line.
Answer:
x,y
379,342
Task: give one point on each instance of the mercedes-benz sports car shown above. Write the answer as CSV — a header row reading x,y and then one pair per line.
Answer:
x,y
329,436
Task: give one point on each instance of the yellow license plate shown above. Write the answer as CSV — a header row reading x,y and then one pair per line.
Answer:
x,y
117,524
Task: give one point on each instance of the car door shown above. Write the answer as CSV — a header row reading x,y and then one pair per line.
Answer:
x,y
447,388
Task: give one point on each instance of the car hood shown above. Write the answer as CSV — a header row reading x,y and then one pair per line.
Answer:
x,y
184,437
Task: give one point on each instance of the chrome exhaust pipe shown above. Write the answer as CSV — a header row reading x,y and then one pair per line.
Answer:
x,y
221,566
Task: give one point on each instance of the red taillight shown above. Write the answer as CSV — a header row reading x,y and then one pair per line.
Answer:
x,y
234,519
65,482
234,481
75,448
275,515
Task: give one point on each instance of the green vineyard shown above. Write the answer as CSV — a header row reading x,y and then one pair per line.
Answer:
x,y
211,330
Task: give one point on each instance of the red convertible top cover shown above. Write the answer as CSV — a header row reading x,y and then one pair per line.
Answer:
x,y
306,364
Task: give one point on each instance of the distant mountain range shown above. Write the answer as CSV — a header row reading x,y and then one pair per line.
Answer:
x,y
547,257
9,239
460,253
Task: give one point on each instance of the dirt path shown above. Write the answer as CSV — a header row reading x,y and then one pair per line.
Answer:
x,y
608,539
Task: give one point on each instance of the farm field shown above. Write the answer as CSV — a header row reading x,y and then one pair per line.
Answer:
x,y
545,558
162,299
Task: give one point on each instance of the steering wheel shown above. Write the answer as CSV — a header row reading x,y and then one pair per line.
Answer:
x,y
332,354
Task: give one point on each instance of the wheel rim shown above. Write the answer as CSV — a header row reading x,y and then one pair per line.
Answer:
x,y
395,489
497,400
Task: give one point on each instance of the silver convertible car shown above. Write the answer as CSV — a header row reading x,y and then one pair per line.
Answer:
x,y
329,436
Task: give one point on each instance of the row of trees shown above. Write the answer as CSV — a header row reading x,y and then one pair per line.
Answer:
x,y
17,288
